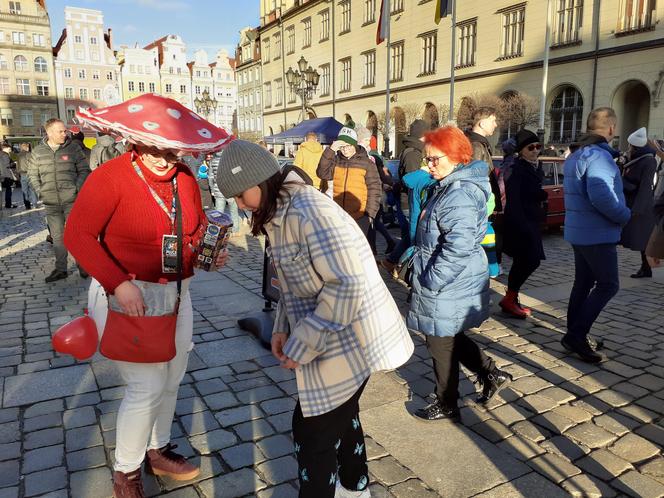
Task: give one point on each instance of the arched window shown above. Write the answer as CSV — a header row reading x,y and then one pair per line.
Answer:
x,y
40,65
20,63
566,113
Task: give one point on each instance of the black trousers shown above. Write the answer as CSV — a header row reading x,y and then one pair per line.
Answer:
x,y
499,230
328,443
522,268
447,353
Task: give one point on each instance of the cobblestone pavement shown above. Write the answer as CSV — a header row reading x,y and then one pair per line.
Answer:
x,y
562,427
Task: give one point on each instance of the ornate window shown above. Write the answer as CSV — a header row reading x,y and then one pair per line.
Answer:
x,y
566,115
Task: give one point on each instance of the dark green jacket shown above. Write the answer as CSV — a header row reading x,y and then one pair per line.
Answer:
x,y
57,176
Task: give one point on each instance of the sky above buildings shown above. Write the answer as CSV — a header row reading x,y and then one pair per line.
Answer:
x,y
203,24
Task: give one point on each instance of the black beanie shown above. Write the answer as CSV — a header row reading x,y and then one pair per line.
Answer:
x,y
525,137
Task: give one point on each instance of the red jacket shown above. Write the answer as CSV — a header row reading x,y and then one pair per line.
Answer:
x,y
115,227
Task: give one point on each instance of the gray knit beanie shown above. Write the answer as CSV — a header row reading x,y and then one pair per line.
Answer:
x,y
244,165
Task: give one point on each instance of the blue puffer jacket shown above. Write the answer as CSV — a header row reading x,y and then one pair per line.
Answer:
x,y
450,269
595,209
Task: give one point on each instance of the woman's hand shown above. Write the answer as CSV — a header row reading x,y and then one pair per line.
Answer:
x,y
221,259
130,299
278,341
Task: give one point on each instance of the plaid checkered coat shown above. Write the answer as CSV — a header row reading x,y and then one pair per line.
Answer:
x,y
343,322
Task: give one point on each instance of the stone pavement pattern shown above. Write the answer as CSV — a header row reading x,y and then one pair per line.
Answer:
x,y
562,428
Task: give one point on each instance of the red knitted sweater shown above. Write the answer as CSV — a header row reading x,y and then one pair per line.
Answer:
x,y
115,227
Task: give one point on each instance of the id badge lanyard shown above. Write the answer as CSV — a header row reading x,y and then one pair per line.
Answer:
x,y
173,211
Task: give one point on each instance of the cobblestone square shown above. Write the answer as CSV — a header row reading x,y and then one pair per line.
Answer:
x,y
562,428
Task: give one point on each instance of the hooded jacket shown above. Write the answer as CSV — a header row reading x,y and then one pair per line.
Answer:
x,y
418,183
100,152
410,158
57,176
450,276
357,186
638,178
595,208
307,158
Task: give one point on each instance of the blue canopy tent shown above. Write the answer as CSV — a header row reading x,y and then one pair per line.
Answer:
x,y
326,129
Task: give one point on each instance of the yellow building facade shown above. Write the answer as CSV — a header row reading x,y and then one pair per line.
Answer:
x,y
608,53
27,81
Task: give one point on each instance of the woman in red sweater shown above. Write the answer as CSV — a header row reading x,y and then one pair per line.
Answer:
x,y
123,215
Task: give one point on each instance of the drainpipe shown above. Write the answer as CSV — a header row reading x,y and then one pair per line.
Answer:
x,y
283,64
333,66
596,7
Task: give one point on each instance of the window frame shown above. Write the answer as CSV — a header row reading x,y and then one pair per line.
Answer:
x,y
429,53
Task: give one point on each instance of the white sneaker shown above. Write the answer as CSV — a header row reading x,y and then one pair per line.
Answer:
x,y
342,492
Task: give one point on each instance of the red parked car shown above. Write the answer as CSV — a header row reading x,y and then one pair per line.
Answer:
x,y
552,182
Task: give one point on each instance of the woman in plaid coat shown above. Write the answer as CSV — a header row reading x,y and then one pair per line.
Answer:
x,y
336,321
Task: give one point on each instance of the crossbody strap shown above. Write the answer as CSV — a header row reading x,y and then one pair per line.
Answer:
x,y
178,223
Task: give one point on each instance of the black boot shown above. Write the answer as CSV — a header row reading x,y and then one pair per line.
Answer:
x,y
583,349
491,383
56,275
437,411
644,272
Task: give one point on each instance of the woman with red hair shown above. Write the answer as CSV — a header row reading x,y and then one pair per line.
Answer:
x,y
450,277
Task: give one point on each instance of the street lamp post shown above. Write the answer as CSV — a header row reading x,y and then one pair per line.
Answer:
x,y
205,105
303,82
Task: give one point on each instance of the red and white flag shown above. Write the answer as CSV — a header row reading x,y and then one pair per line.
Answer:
x,y
383,22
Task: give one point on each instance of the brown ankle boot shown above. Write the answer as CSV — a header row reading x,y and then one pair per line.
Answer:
x,y
128,485
165,462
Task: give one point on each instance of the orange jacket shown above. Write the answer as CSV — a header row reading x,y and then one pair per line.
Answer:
x,y
357,187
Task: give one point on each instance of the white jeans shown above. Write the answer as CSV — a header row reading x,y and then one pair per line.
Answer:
x,y
146,412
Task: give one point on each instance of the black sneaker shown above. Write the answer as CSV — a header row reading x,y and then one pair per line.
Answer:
x,y
49,239
437,411
582,349
595,344
56,275
491,383
82,273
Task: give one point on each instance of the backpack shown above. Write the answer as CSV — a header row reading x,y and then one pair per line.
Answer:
x,y
108,152
401,171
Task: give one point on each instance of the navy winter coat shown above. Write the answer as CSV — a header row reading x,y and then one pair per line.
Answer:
x,y
450,270
595,209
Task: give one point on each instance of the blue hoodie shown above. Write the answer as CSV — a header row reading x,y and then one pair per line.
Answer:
x,y
595,209
418,183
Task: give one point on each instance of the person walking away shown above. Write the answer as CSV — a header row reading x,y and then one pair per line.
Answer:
x,y
220,202
128,214
655,248
595,212
356,184
22,161
410,160
450,282
336,322
104,150
57,169
524,214
485,122
638,182
7,175
308,156
364,140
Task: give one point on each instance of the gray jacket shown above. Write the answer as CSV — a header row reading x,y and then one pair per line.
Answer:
x,y
57,176
104,150
5,163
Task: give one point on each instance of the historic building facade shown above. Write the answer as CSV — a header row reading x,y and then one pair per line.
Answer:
x,y
249,85
606,57
224,91
139,69
173,69
86,70
27,80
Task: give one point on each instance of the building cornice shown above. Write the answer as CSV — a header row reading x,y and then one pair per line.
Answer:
x,y
290,13
589,55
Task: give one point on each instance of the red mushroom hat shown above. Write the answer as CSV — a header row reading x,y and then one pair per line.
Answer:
x,y
156,121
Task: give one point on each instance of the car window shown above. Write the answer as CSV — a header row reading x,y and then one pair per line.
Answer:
x,y
548,171
559,170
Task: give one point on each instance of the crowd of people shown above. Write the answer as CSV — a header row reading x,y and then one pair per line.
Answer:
x,y
120,209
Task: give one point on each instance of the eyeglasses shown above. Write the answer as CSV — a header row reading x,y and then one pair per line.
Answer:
x,y
433,160
532,147
159,156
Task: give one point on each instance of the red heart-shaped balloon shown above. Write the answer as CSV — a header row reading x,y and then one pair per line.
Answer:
x,y
78,338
